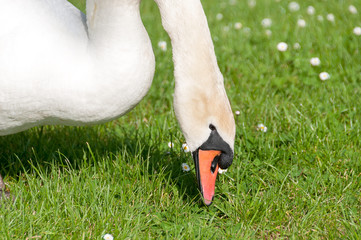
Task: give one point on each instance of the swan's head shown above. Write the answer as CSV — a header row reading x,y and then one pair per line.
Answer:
x,y
206,119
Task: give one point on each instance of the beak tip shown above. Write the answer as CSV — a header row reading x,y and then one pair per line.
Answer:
x,y
207,202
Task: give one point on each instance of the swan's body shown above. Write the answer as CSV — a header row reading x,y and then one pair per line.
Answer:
x,y
51,72
58,66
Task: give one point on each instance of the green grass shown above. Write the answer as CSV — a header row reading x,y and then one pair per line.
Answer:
x,y
300,179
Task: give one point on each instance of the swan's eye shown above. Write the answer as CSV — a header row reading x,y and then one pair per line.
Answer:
x,y
212,127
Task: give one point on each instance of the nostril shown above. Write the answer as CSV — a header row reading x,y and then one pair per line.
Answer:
x,y
212,127
214,163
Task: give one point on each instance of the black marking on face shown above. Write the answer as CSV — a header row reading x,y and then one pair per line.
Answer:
x,y
215,142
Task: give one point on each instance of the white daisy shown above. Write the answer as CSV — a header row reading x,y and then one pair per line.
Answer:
x,y
282,46
247,30
324,76
225,28
310,10
261,127
296,46
352,9
185,167
330,17
221,171
219,16
162,45
315,61
185,147
237,113
293,6
268,32
170,145
251,3
238,25
266,22
301,23
108,237
357,31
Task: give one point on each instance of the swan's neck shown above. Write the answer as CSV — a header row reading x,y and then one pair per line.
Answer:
x,y
121,54
193,51
199,98
114,26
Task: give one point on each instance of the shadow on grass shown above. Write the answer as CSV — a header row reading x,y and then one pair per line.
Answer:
x,y
46,145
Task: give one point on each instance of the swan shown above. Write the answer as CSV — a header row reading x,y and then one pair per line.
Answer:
x,y
60,66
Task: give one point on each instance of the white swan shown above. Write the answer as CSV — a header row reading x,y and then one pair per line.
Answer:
x,y
58,66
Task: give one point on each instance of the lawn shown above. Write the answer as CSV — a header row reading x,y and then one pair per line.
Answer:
x,y
300,178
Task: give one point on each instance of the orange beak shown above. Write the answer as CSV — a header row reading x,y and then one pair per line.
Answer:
x,y
207,168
